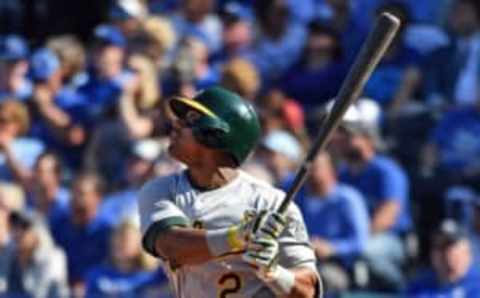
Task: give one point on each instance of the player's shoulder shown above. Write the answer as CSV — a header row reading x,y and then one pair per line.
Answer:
x,y
260,187
159,186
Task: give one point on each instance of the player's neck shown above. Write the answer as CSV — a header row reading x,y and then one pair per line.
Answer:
x,y
209,179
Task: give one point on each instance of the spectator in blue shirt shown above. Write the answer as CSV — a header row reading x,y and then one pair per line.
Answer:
x,y
337,220
386,189
317,77
196,19
452,72
16,151
453,272
454,148
139,167
13,68
237,35
394,82
57,108
127,272
280,40
81,232
107,76
353,28
42,184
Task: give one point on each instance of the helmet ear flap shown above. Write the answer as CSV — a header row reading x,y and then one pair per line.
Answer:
x,y
210,131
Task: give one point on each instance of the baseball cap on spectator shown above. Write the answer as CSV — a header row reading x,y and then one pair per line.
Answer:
x,y
282,142
44,63
362,118
449,232
127,9
110,35
12,48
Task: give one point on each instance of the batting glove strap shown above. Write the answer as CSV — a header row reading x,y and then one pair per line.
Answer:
x,y
281,281
273,225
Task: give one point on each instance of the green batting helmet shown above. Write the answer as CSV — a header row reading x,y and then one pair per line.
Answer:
x,y
226,122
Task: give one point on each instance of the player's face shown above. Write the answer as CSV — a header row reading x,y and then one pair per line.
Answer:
x,y
183,145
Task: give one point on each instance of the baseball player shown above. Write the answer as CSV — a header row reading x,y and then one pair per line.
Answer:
x,y
213,225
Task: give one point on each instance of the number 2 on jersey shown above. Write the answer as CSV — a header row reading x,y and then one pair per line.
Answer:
x,y
229,283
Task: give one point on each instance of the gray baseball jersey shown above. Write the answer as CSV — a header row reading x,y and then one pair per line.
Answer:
x,y
172,196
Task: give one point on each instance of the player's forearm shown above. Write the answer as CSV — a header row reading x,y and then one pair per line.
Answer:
x,y
305,284
183,246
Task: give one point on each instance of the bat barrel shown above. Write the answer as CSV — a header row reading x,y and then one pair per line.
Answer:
x,y
372,51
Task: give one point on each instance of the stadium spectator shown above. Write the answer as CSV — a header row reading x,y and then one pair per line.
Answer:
x,y
57,109
72,56
196,19
240,75
18,152
451,75
280,39
128,15
337,219
317,77
81,232
353,28
237,35
385,186
126,273
452,151
394,82
107,74
282,154
44,188
38,267
139,167
277,111
156,40
453,272
13,68
138,115
190,70
11,200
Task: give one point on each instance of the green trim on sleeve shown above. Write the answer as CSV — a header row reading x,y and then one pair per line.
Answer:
x,y
159,227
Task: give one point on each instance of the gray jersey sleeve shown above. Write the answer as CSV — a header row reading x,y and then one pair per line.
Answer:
x,y
296,250
158,211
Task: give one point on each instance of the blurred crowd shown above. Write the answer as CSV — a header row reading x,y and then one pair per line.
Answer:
x,y
393,205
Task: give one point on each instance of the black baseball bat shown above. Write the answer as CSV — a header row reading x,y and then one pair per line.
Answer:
x,y
377,43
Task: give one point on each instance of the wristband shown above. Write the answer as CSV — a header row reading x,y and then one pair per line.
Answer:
x,y
224,241
281,281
